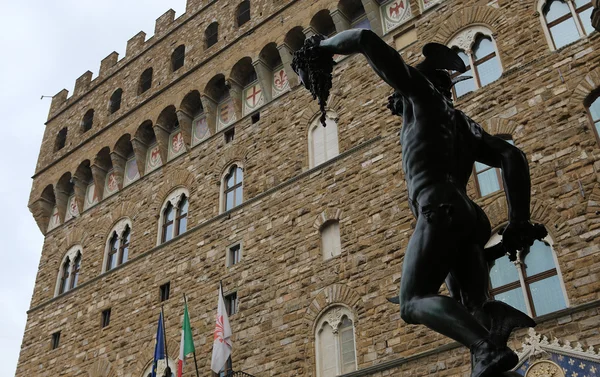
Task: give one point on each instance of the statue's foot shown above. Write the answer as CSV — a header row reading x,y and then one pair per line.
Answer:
x,y
490,361
505,319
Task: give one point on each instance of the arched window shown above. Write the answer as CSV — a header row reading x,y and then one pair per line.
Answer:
x,y
115,101
145,81
323,141
117,247
335,343
87,121
61,139
233,187
173,218
331,245
68,275
211,34
64,280
160,368
178,58
477,49
593,106
533,283
488,179
565,21
243,13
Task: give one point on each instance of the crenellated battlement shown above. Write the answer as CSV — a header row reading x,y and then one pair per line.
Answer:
x,y
163,23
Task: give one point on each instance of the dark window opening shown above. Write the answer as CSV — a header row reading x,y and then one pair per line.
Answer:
x,y
229,135
105,318
165,291
231,303
168,217
145,81
255,117
178,58
61,139
243,13
87,121
115,101
55,340
211,34
181,219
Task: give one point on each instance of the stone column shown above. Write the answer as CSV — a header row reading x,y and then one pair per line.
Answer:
x,y
41,210
99,175
372,9
309,31
80,188
210,109
185,124
118,163
62,199
140,149
286,54
265,78
236,91
162,139
340,21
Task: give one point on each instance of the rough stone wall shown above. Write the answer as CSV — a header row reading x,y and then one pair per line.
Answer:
x,y
282,278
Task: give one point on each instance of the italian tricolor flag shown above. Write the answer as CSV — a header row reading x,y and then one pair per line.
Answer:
x,y
187,344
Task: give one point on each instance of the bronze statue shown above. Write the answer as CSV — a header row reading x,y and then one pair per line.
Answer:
x,y
439,147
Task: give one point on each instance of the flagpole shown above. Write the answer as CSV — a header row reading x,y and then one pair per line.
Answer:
x,y
165,336
195,361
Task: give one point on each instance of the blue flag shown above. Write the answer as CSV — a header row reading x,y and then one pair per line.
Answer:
x,y
159,349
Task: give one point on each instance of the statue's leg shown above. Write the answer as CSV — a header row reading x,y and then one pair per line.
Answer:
x,y
427,262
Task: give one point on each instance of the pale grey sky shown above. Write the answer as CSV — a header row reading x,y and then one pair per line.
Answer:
x,y
45,46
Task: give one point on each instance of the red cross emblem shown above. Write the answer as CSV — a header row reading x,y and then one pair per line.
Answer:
x,y
255,93
395,8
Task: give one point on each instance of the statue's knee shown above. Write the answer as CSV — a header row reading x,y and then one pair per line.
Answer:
x,y
407,312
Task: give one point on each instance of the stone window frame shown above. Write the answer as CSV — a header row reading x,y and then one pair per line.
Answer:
x,y
178,58
331,116
116,99
160,369
523,283
223,185
174,199
574,14
87,122
72,254
464,40
145,81
334,315
336,250
593,97
119,229
212,38
228,253
241,14
61,139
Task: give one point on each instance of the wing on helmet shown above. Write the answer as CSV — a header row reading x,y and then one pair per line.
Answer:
x,y
438,56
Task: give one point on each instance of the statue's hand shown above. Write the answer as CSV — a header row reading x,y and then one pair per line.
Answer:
x,y
521,234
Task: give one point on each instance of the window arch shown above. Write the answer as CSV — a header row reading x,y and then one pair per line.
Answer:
x,y
477,48
61,139
533,283
354,12
335,343
178,58
488,180
115,101
331,245
117,245
70,267
593,106
87,121
145,81
243,13
211,34
232,183
173,219
323,141
565,21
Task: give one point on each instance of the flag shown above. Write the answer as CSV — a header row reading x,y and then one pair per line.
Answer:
x,y
222,337
159,349
187,343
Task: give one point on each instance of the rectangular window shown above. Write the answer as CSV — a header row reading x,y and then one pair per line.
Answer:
x,y
55,340
229,135
105,318
231,303
165,291
234,254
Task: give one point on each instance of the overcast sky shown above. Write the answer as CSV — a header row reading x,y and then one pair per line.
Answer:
x,y
45,47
